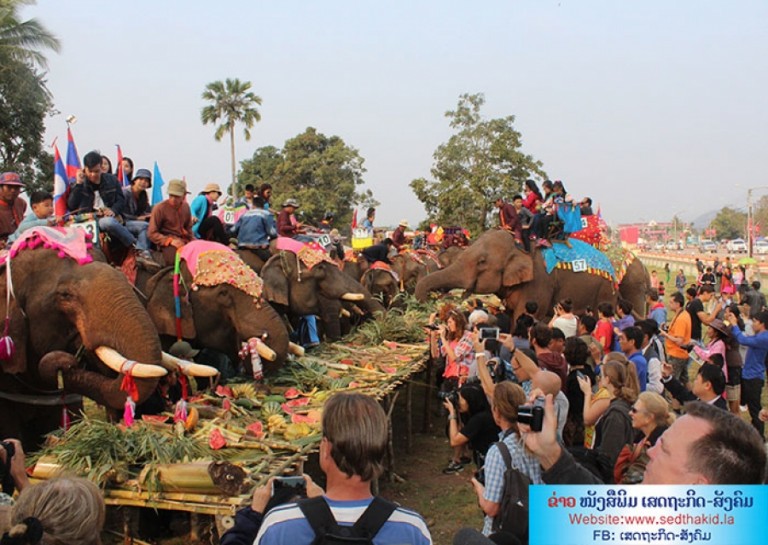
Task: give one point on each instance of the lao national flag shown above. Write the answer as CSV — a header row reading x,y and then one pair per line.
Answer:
x,y
60,185
73,159
121,177
157,186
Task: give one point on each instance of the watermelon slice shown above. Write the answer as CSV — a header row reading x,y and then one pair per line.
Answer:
x,y
216,440
288,406
256,429
224,391
291,393
154,418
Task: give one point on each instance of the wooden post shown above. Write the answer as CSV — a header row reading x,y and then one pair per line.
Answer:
x,y
427,425
409,416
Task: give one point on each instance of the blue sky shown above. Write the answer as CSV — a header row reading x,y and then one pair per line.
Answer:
x,y
651,108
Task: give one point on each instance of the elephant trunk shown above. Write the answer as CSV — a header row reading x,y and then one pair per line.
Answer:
x,y
253,320
448,278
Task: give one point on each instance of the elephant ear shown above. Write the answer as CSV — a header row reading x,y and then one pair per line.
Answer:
x,y
276,282
518,269
161,306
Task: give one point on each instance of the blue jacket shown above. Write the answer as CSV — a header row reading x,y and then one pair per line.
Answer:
x,y
199,208
254,228
641,365
30,221
757,348
82,196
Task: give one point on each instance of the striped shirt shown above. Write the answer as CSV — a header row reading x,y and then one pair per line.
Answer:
x,y
286,524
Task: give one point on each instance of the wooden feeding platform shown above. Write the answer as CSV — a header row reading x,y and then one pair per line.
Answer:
x,y
233,439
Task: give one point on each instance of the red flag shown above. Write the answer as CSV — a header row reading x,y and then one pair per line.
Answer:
x,y
73,159
354,218
121,177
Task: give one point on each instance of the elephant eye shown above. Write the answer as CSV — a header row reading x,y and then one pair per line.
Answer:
x,y
65,294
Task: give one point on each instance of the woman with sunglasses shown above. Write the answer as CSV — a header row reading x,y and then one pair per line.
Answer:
x,y
651,417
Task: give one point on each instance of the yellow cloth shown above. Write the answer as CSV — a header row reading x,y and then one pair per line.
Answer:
x,y
589,431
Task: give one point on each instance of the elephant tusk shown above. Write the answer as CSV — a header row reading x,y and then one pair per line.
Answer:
x,y
353,297
189,368
117,362
345,313
265,352
295,349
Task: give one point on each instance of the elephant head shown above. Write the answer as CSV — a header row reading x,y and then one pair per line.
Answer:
x,y
491,265
319,290
58,308
220,317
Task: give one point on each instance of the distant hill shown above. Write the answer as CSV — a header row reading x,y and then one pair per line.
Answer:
x,y
702,222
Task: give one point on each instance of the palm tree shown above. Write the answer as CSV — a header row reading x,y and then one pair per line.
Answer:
x,y
21,41
230,102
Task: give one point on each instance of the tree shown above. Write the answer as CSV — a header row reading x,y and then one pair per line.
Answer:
x,y
321,172
231,103
481,161
729,223
22,41
24,99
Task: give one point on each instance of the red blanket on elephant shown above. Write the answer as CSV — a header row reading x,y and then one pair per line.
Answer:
x,y
69,242
381,266
211,264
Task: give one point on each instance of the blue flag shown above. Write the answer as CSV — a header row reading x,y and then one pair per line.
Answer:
x,y
157,186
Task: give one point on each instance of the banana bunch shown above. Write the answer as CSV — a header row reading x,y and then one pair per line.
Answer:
x,y
245,390
276,424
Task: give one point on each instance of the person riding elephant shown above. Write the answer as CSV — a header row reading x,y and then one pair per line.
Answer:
x,y
222,306
318,288
494,264
76,325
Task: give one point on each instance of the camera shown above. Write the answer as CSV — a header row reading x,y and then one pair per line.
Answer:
x,y
489,333
433,327
532,415
295,483
480,475
452,396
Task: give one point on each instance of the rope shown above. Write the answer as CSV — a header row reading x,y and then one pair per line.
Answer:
x,y
176,296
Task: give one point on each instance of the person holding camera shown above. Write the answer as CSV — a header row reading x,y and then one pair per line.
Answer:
x,y
507,398
13,474
564,319
352,454
479,431
456,347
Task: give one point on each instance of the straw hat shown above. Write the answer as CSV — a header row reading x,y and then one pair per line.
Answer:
x,y
212,188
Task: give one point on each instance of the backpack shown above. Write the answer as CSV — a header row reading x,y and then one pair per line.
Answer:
x,y
513,513
329,532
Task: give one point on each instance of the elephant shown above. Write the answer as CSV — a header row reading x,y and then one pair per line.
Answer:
x,y
58,309
322,290
409,267
449,255
495,264
219,317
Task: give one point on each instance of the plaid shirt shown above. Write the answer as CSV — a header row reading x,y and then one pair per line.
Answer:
x,y
495,468
465,357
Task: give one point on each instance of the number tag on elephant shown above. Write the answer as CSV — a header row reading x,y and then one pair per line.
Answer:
x,y
324,241
91,227
579,265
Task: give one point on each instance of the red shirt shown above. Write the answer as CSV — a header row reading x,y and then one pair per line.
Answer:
x,y
604,334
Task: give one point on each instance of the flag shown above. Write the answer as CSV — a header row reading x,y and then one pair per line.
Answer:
x,y
354,218
157,185
60,185
73,159
121,177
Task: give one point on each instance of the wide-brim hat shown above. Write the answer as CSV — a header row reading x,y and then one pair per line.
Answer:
x,y
182,349
404,223
143,173
291,202
10,178
177,188
720,326
212,188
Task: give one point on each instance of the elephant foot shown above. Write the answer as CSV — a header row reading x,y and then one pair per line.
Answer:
x,y
53,362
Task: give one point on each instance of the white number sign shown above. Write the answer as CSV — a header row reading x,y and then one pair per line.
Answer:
x,y
90,227
579,265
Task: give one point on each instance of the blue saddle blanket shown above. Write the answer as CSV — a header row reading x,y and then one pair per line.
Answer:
x,y
581,257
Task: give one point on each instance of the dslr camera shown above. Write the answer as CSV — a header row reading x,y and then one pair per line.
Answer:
x,y
452,396
532,415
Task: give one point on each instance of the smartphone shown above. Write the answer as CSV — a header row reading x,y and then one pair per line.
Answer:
x,y
579,374
295,482
489,333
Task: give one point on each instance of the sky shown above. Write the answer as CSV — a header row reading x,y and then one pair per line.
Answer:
x,y
651,108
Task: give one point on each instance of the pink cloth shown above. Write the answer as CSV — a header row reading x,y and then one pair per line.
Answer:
x,y
69,241
290,244
191,251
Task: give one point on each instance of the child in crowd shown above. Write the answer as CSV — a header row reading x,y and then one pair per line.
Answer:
x,y
41,215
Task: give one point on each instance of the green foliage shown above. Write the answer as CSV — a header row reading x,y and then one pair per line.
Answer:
x,y
729,223
480,161
231,102
24,99
321,172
